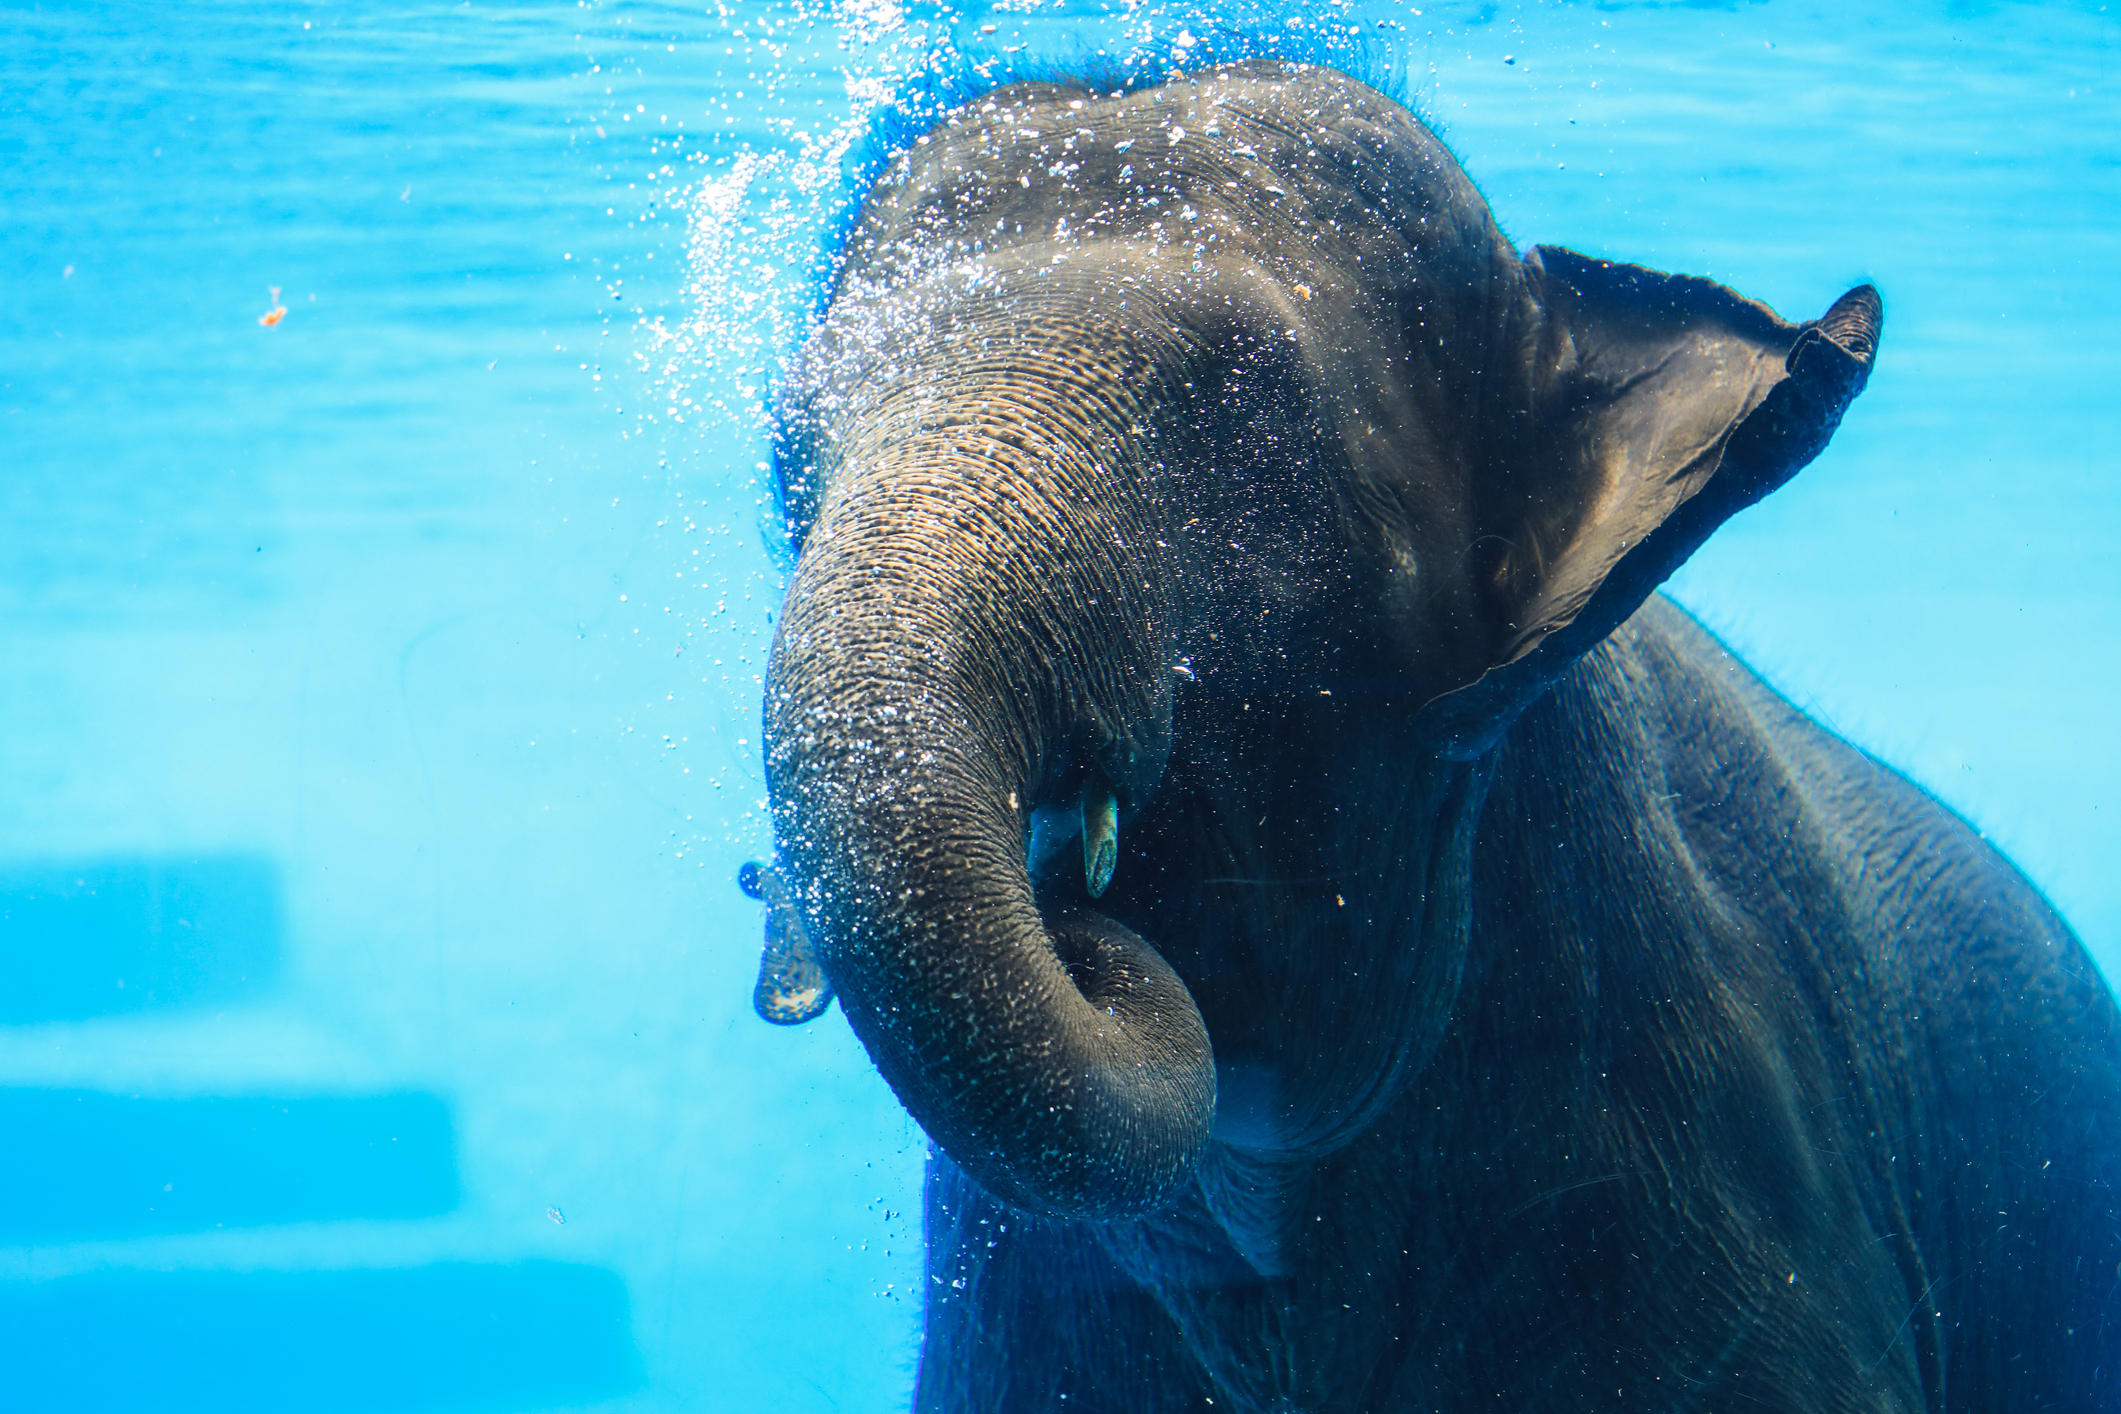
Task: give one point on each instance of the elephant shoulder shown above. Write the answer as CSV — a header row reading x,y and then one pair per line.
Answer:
x,y
1911,904
1919,864
1991,1023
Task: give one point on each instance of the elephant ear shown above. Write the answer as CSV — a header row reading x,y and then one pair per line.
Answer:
x,y
1651,408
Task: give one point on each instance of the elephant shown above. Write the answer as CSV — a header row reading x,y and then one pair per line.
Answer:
x,y
1352,944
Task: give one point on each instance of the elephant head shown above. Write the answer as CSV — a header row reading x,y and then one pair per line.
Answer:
x,y
1138,418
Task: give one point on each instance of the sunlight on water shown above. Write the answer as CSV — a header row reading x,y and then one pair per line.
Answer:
x,y
382,691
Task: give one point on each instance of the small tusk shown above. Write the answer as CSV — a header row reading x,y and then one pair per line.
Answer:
x,y
792,986
1100,833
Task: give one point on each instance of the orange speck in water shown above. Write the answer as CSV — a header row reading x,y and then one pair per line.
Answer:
x,y
277,313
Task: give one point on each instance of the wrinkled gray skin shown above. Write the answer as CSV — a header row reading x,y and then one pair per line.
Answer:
x,y
1502,1000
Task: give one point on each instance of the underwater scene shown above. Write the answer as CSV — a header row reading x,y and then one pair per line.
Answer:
x,y
407,444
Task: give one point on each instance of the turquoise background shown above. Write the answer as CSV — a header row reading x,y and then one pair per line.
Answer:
x,y
378,691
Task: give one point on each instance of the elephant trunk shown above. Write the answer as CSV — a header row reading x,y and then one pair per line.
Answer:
x,y
936,678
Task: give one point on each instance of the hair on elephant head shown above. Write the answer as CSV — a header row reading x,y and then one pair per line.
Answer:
x,y
1226,758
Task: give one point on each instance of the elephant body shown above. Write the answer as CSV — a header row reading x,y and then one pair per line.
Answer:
x,y
1769,1085
1352,947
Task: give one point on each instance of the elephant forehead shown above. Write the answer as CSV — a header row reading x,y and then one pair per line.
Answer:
x,y
1087,264
1263,212
1312,173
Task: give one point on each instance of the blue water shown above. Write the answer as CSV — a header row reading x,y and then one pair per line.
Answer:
x,y
378,690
